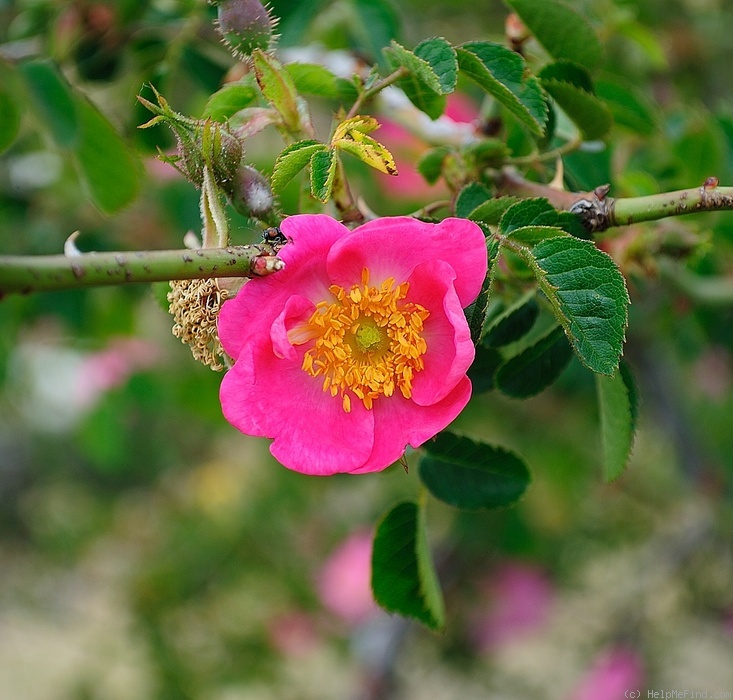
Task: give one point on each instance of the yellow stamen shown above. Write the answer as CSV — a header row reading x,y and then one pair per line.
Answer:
x,y
368,342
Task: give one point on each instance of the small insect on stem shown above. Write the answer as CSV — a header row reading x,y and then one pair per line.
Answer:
x,y
275,237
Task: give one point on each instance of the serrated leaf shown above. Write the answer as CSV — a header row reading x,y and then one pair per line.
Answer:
x,y
421,85
512,323
628,106
491,211
430,163
503,74
403,575
588,295
571,87
617,402
314,79
53,98
369,151
536,367
526,212
362,124
563,31
9,120
398,56
440,55
538,212
532,235
292,160
323,170
277,87
228,101
472,475
111,172
470,197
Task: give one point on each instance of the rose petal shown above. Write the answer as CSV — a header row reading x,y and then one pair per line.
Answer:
x,y
399,422
262,299
450,350
266,396
394,246
297,309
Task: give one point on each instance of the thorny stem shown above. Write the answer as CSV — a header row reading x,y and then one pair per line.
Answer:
x,y
42,273
375,89
600,212
545,156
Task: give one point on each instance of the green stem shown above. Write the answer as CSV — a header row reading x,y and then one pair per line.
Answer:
x,y
43,273
375,89
538,157
632,210
707,291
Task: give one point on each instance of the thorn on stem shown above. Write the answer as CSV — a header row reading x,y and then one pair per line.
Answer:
x,y
70,249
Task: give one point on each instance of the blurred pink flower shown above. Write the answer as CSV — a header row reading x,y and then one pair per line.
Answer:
x,y
359,346
520,599
344,583
407,149
110,368
612,673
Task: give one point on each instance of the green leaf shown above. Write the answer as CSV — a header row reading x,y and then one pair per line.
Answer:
x,y
588,295
440,55
430,163
53,98
9,121
313,79
323,170
483,369
277,88
470,197
420,70
512,323
403,575
377,23
369,151
563,31
532,235
472,475
628,106
110,170
539,212
491,211
422,86
292,160
571,87
536,367
228,101
503,74
617,402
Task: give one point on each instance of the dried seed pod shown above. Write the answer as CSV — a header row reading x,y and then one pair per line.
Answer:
x,y
195,305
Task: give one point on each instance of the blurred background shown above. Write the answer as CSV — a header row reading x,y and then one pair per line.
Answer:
x,y
149,550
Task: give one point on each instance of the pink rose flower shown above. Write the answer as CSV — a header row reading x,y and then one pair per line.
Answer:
x,y
360,346
344,582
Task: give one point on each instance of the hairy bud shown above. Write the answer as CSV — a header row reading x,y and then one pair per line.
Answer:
x,y
251,194
245,25
201,143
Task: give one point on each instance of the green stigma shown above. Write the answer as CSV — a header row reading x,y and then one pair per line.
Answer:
x,y
368,338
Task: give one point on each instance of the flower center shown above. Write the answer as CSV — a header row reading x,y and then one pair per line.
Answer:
x,y
368,342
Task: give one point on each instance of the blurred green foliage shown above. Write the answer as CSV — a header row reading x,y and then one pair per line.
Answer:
x,y
149,550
